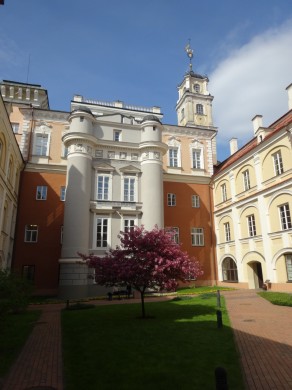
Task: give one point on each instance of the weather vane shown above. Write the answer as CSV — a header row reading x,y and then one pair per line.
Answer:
x,y
189,52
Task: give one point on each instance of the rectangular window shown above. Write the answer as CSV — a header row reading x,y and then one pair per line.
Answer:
x,y
102,233
15,127
63,193
117,135
103,187
41,192
173,157
246,180
28,272
278,163
196,154
176,235
288,259
227,231
224,192
197,236
41,144
251,225
285,216
195,201
129,224
171,200
31,233
129,189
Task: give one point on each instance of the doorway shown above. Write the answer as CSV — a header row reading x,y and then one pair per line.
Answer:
x,y
255,275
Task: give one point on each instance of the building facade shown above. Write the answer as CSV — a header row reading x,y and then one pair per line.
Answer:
x,y
252,209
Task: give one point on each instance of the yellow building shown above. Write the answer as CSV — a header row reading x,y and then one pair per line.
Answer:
x,y
252,209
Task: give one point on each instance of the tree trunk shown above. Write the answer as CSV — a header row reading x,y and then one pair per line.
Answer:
x,y
143,305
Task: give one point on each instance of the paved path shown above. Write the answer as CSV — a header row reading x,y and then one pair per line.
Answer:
x,y
263,333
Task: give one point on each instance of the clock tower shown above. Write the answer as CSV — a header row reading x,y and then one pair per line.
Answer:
x,y
194,105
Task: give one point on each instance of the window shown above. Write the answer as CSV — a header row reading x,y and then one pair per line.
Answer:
x,y
227,231
251,225
129,224
117,135
41,144
31,233
171,199
41,192
103,187
246,180
28,272
15,127
176,235
288,259
129,189
195,201
285,216
197,236
173,157
64,151
197,88
102,233
196,154
224,192
278,163
200,109
63,193
229,270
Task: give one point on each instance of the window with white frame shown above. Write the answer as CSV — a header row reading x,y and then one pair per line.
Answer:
x,y
103,187
64,151
117,135
41,192
129,189
173,157
15,127
197,158
171,199
278,163
41,145
62,193
176,235
31,233
246,180
285,216
197,236
251,225
288,260
129,224
195,201
223,192
102,232
200,109
227,231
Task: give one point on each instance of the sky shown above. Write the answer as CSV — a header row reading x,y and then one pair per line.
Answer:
x,y
133,51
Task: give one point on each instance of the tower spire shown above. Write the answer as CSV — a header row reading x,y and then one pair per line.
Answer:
x,y
190,54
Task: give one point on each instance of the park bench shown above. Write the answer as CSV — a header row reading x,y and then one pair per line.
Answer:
x,y
120,293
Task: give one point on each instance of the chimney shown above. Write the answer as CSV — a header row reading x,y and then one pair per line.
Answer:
x,y
233,146
289,90
257,122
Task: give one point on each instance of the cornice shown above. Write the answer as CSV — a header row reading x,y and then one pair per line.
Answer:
x,y
179,178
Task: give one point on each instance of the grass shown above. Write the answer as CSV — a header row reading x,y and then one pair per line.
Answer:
x,y
14,331
178,348
200,290
276,298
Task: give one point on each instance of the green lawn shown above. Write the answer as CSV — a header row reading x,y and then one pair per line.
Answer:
x,y
281,299
14,331
111,347
200,290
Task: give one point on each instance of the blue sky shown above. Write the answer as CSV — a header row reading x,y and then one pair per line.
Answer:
x,y
133,50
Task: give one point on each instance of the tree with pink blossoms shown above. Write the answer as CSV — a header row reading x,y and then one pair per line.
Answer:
x,y
144,260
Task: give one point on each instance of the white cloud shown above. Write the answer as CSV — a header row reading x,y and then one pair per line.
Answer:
x,y
251,81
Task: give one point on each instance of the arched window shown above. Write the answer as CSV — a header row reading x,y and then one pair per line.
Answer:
x,y
229,270
197,88
200,109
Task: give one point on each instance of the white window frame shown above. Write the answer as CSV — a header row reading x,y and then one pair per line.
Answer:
x,y
117,135
176,235
196,201
278,163
15,127
31,233
44,149
224,192
246,180
104,195
227,231
128,224
285,216
171,199
197,235
105,237
197,160
41,193
173,157
129,189
288,262
251,225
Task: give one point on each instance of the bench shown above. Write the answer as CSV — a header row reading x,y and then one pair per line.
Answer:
x,y
120,293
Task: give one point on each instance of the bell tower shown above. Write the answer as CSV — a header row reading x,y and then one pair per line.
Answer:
x,y
194,105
